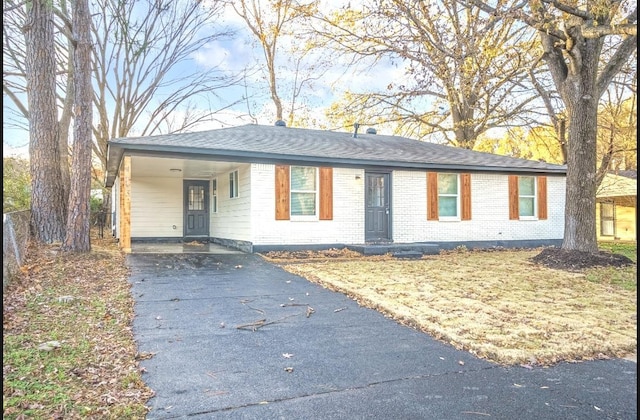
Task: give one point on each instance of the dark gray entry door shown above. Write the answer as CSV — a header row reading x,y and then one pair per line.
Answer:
x,y
196,208
377,211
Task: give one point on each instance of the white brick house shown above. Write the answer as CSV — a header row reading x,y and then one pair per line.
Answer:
x,y
258,188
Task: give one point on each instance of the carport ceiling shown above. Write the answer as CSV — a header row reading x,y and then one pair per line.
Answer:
x,y
179,168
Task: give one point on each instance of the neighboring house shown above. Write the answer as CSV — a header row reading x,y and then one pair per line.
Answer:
x,y
260,188
616,207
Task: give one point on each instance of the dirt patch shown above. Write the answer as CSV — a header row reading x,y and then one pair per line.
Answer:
x,y
306,255
578,260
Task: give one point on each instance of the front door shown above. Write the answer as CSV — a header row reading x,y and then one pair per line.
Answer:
x,y
196,209
377,214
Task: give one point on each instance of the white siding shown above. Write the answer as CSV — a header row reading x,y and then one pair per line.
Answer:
x,y
233,219
347,226
489,210
156,207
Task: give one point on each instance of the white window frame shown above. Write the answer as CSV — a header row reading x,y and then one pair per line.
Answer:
x,y
534,197
214,195
234,181
455,218
316,192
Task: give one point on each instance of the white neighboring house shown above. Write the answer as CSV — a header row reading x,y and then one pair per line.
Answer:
x,y
260,188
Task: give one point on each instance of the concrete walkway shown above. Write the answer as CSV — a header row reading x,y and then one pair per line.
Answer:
x,y
316,354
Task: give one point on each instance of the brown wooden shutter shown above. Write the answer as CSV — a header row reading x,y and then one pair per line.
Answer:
x,y
514,198
542,198
282,192
432,196
465,183
326,193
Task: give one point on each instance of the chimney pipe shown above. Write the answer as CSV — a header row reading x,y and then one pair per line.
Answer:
x,y
355,131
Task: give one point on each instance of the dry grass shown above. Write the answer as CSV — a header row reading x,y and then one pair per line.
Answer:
x,y
497,305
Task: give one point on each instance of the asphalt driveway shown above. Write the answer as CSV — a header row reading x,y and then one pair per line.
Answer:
x,y
233,336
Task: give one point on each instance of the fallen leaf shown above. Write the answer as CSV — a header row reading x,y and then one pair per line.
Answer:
x,y
288,369
287,355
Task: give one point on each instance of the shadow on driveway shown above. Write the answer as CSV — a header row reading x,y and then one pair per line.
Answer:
x,y
316,354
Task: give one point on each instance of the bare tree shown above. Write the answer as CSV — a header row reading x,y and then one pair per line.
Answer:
x,y
617,140
145,76
144,69
271,23
48,207
465,70
78,235
572,37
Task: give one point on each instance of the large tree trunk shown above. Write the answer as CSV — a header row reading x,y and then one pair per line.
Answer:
x,y
48,208
78,219
580,209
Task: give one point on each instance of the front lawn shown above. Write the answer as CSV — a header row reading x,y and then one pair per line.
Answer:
x,y
498,305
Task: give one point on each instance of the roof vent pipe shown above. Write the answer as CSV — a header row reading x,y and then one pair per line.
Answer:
x,y
355,130
280,123
371,130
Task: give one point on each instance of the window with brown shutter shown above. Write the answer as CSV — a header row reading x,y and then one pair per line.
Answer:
x,y
283,193
459,195
534,201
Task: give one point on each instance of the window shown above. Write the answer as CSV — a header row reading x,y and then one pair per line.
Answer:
x,y
214,195
303,191
607,219
196,198
311,185
448,195
526,196
233,184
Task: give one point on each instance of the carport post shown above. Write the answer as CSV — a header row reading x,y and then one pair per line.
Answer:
x,y
125,204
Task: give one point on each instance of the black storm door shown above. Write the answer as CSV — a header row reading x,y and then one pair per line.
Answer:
x,y
196,208
377,212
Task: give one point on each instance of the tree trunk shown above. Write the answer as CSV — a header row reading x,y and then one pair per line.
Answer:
x,y
78,219
580,208
48,207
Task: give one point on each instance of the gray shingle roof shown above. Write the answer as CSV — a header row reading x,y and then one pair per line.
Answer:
x,y
260,143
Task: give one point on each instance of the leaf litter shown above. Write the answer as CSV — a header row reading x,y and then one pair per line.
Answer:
x,y
79,308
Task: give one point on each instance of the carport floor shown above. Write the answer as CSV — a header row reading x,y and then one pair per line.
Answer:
x,y
181,248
